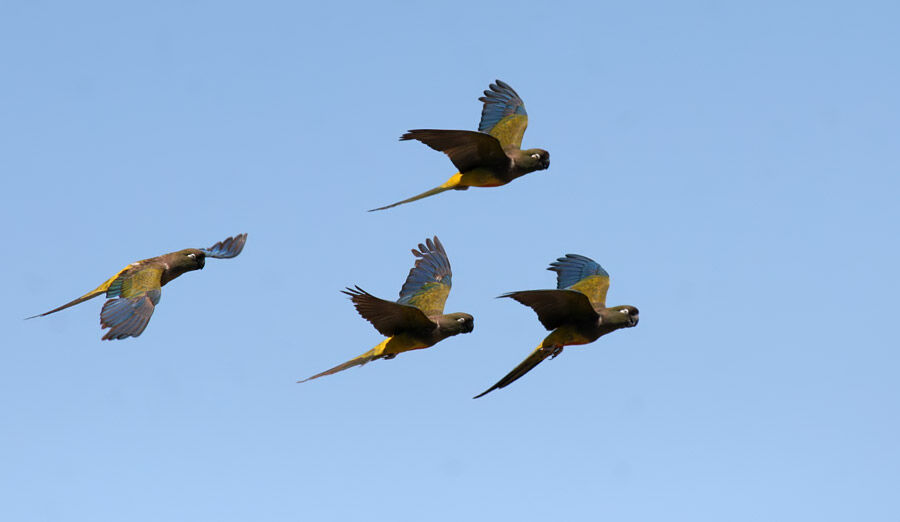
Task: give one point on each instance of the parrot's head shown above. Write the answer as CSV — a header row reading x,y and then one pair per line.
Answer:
x,y
181,262
453,324
191,259
533,159
620,316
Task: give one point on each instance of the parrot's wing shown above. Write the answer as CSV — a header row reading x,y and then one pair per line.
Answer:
x,y
128,316
226,249
582,274
503,115
467,150
557,307
132,298
388,317
428,283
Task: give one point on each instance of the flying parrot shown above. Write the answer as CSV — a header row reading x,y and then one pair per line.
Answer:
x,y
490,157
576,312
416,320
133,293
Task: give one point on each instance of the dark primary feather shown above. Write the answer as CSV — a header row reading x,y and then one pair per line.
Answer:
x,y
388,317
467,150
499,102
573,268
555,308
226,249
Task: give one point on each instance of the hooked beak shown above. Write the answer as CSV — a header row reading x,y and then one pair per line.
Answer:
x,y
634,321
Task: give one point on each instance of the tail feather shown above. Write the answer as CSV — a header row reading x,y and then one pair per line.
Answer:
x,y
371,355
100,290
452,183
535,358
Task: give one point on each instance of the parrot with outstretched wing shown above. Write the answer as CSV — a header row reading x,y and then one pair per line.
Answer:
x,y
416,320
490,157
133,293
576,312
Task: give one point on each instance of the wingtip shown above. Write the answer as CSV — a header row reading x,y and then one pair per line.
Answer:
x,y
228,248
355,291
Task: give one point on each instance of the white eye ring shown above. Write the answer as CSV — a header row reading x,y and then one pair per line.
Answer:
x,y
536,156
625,311
461,320
192,255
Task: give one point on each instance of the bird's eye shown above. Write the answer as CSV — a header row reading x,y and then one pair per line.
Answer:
x,y
461,320
192,255
625,311
536,156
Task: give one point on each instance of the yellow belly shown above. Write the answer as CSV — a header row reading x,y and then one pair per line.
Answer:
x,y
480,178
398,344
565,336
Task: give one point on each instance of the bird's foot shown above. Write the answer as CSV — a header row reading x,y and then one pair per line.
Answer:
x,y
556,351
389,356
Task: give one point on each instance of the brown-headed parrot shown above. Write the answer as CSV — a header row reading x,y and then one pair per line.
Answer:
x,y
416,320
490,157
133,293
576,312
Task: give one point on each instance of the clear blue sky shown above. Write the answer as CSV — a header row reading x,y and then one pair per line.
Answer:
x,y
735,169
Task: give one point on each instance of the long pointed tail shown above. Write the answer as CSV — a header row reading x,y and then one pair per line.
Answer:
x,y
371,355
535,358
90,295
451,183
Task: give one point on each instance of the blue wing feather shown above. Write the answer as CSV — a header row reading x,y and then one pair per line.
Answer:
x,y
115,289
228,248
499,102
432,267
128,316
573,268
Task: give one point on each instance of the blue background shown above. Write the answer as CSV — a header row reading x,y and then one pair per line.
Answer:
x,y
734,168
